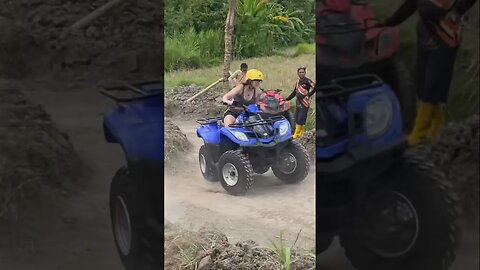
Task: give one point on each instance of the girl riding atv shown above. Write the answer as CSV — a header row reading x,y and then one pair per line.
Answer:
x,y
246,94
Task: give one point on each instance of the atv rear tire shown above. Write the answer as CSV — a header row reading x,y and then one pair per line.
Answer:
x,y
235,172
400,79
207,168
297,172
432,242
132,238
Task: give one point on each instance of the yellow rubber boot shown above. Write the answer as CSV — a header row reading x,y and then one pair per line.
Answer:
x,y
302,129
438,120
297,131
422,126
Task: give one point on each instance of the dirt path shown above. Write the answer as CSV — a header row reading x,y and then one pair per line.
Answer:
x,y
269,208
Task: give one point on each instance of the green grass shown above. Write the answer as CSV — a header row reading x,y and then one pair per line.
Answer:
x,y
189,49
280,72
304,48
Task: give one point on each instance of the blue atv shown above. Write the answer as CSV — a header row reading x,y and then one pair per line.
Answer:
x,y
391,208
136,124
253,144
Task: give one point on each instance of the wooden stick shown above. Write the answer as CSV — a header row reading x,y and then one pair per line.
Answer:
x,y
204,90
97,13
208,87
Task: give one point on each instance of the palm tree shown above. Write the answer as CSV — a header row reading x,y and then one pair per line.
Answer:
x,y
229,25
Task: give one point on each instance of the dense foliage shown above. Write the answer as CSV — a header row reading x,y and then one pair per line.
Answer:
x,y
194,29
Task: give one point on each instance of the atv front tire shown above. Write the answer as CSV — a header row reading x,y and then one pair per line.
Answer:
x,y
235,172
294,164
132,238
433,236
207,168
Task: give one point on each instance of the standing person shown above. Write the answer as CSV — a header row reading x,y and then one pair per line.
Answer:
x,y
239,76
246,93
302,92
439,31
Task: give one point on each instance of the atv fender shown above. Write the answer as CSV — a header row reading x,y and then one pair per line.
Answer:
x,y
209,134
138,127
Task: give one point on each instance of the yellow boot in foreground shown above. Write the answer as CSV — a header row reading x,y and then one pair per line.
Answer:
x,y
438,120
302,129
297,131
422,124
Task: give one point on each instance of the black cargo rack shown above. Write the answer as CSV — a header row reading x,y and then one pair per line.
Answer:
x,y
133,91
348,85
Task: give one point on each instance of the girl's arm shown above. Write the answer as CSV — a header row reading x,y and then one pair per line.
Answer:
x,y
228,97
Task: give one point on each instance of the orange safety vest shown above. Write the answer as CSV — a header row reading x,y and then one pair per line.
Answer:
x,y
305,100
447,29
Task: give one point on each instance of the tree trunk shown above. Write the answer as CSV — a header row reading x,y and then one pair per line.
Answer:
x,y
228,42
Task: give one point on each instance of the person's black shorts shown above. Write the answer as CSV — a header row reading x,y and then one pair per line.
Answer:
x,y
233,112
301,114
434,74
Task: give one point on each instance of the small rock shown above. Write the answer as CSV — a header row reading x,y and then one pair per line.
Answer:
x,y
205,263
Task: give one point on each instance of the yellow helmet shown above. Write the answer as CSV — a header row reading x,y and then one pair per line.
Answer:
x,y
254,74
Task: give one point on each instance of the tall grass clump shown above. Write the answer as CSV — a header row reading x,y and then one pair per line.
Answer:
x,y
190,50
464,96
304,48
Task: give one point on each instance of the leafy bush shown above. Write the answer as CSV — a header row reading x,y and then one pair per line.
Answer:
x,y
194,30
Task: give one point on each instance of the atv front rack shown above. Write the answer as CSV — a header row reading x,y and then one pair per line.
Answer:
x,y
345,28
205,121
347,85
267,121
133,91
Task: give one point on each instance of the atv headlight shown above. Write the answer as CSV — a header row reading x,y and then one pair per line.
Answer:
x,y
283,128
378,115
240,135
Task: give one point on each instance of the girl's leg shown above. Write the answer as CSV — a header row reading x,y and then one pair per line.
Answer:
x,y
228,120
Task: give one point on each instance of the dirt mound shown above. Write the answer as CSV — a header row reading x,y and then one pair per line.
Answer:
x,y
207,105
456,152
127,35
176,141
33,152
210,249
308,140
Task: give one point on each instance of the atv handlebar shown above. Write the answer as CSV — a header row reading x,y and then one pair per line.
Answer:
x,y
235,104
